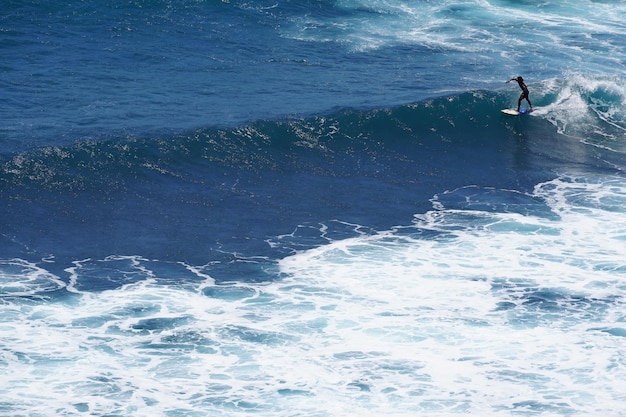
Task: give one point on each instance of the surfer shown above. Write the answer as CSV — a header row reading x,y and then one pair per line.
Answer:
x,y
524,94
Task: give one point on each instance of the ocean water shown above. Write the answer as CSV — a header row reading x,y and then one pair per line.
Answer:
x,y
312,208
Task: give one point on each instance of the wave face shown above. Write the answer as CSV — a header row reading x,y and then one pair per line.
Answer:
x,y
216,186
311,208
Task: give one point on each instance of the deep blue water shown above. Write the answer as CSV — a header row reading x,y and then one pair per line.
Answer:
x,y
311,208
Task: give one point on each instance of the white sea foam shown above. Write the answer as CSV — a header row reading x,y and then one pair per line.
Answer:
x,y
577,30
589,108
468,312
19,278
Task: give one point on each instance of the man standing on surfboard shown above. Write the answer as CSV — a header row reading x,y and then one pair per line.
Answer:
x,y
524,94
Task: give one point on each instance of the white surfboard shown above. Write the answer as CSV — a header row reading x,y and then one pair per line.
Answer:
x,y
514,112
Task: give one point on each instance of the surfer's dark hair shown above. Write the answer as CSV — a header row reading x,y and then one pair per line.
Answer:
x,y
519,78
